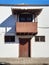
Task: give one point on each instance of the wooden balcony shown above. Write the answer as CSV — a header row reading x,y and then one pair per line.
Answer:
x,y
26,28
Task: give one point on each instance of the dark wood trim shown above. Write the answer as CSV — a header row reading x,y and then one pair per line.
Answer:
x,y
30,47
31,11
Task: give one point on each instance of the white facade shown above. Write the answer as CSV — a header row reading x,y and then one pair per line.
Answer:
x,y
7,27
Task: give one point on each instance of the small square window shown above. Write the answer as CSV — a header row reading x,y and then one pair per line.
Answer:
x,y
40,38
9,38
36,38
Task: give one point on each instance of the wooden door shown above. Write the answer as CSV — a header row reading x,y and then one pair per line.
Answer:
x,y
24,47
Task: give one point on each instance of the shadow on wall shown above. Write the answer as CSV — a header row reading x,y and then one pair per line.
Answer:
x,y
9,24
3,63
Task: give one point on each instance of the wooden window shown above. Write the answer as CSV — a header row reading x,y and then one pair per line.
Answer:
x,y
40,38
25,17
36,38
9,38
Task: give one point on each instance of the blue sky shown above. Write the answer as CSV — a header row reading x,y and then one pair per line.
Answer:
x,y
24,1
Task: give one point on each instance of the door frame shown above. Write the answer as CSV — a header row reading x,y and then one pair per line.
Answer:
x,y
29,48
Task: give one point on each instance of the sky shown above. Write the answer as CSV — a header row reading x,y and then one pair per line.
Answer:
x,y
24,1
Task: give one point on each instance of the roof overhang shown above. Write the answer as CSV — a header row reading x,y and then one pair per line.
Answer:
x,y
32,11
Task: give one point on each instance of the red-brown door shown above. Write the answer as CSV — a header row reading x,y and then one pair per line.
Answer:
x,y
24,47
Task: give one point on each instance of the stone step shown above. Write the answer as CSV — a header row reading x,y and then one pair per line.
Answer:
x,y
24,61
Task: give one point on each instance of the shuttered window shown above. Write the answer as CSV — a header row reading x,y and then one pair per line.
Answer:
x,y
9,38
39,38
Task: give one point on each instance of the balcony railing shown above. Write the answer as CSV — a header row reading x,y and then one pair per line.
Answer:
x,y
26,27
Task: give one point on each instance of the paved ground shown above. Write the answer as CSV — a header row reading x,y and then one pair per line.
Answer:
x,y
24,61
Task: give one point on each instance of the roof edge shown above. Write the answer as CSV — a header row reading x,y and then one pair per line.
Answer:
x,y
24,4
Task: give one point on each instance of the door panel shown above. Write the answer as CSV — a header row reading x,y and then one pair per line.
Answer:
x,y
24,47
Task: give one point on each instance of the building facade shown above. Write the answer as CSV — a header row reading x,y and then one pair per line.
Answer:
x,y
24,31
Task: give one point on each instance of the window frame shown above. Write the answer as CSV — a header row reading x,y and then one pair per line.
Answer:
x,y
40,38
9,38
25,17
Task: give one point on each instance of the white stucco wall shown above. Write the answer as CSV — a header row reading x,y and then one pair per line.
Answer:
x,y
7,27
41,49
